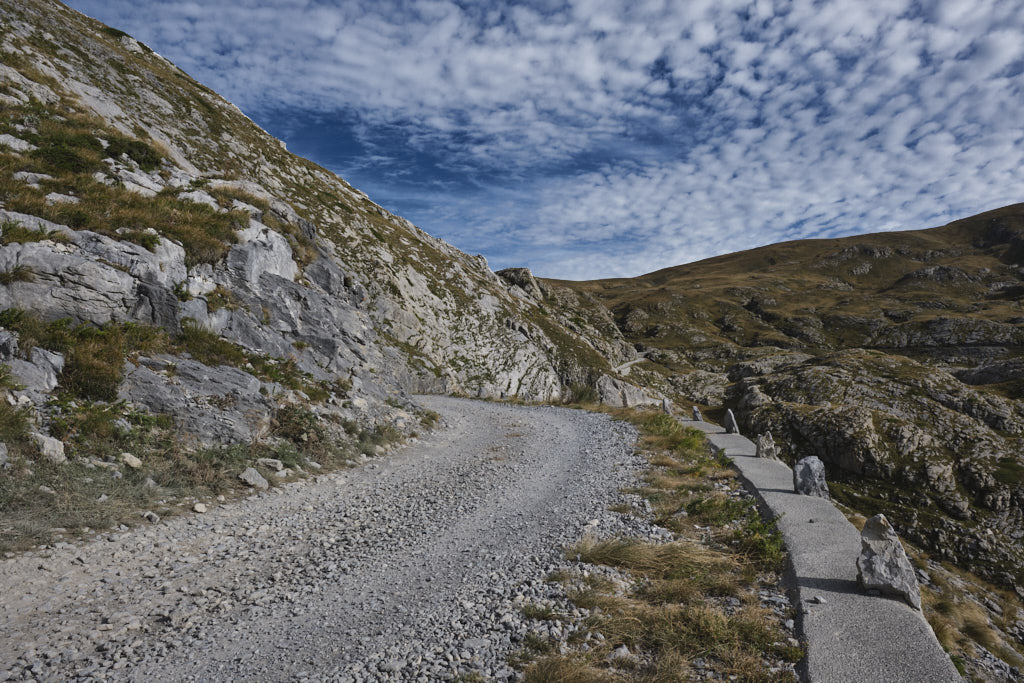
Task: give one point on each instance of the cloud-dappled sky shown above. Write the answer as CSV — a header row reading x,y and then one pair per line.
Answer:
x,y
599,138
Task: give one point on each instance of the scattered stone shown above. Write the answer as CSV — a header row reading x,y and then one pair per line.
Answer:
x,y
4,461
697,417
199,507
809,477
17,144
271,463
31,178
621,655
883,564
149,483
730,423
50,448
58,198
47,490
253,478
151,516
666,406
818,600
131,461
766,447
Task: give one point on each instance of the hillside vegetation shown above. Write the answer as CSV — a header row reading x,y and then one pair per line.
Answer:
x,y
898,358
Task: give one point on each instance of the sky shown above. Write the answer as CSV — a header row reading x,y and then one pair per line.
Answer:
x,y
598,138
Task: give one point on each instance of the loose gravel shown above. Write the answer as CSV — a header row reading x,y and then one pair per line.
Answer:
x,y
413,567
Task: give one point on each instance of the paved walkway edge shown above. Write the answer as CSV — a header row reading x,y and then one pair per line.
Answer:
x,y
850,636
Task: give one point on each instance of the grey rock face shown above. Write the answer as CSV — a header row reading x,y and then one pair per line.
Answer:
x,y
700,386
730,423
809,477
66,284
261,250
164,265
522,278
615,392
883,565
766,447
253,478
38,375
214,405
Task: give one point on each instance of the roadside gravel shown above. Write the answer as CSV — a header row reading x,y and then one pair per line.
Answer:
x,y
412,567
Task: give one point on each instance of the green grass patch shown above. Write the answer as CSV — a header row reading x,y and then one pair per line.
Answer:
x,y
13,232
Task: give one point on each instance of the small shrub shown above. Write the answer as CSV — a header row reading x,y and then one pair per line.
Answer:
x,y
114,33
581,394
299,425
64,151
14,420
94,356
14,232
539,612
19,273
220,298
140,152
206,346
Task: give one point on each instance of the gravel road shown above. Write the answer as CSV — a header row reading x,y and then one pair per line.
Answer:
x,y
412,567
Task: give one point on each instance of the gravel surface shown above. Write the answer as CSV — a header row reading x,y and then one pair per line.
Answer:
x,y
412,567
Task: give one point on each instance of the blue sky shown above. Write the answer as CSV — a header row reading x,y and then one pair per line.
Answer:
x,y
597,138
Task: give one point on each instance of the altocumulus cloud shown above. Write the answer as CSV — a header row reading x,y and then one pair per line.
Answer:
x,y
597,138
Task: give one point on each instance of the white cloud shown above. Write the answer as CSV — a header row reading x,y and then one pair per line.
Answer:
x,y
778,119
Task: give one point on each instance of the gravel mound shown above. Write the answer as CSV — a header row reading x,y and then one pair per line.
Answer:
x,y
413,567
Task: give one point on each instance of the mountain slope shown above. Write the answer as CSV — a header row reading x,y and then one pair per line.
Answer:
x,y
895,357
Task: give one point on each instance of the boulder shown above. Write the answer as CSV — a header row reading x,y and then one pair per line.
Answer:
x,y
39,375
17,144
883,565
809,477
50,448
131,461
666,406
730,423
5,463
253,478
271,464
615,392
697,417
766,447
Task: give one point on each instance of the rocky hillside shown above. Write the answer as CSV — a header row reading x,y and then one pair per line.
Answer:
x,y
898,358
173,280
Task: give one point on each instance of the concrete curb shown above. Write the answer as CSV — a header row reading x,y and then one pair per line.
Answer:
x,y
850,636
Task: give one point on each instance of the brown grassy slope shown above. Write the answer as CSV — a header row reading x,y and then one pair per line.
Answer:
x,y
829,293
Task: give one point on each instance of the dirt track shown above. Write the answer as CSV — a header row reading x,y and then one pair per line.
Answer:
x,y
412,567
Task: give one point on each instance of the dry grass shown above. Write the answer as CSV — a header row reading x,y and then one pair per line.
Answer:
x,y
680,603
565,670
